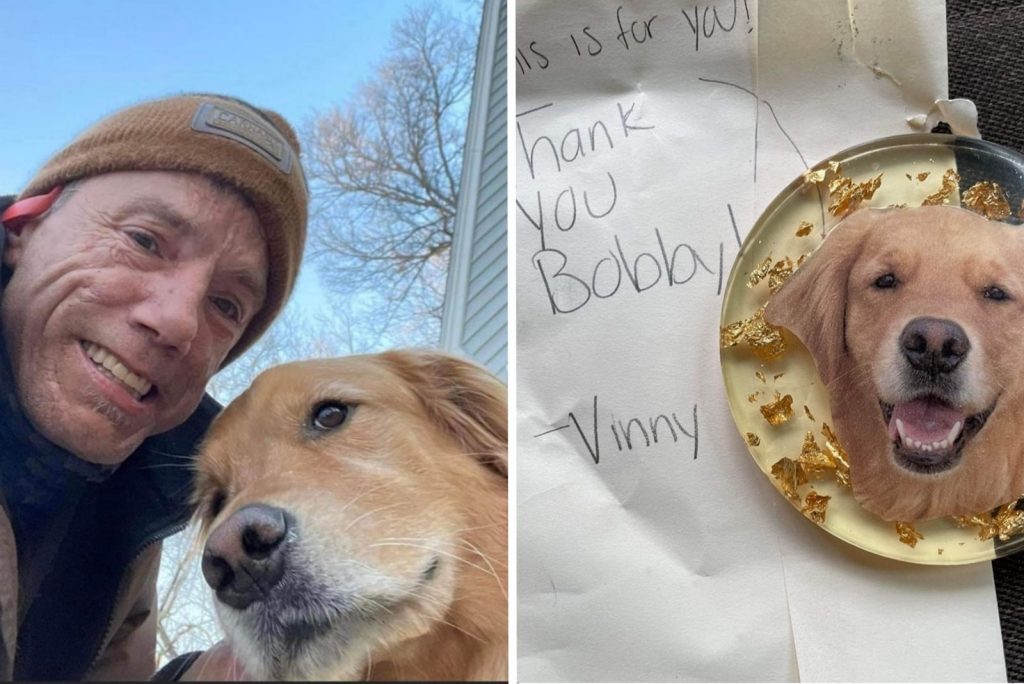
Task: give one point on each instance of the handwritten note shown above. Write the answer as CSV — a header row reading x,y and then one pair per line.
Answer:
x,y
648,137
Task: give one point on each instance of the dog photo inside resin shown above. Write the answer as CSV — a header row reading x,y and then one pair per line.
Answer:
x,y
914,319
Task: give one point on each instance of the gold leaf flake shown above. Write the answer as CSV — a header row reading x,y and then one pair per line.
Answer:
x,y
752,439
809,414
834,166
845,195
909,177
779,274
779,411
815,506
988,199
764,340
760,272
777,376
923,176
837,452
804,229
760,376
752,397
983,521
733,334
790,476
907,534
940,551
839,183
950,185
1007,522
814,459
815,176
800,261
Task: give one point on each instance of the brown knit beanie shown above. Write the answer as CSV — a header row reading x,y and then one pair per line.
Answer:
x,y
254,150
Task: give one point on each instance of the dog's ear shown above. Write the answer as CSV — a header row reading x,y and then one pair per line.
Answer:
x,y
464,399
812,303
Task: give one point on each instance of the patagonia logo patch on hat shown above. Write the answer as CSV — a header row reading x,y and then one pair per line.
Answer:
x,y
242,127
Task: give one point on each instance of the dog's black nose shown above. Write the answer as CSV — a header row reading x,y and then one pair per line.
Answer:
x,y
934,345
245,556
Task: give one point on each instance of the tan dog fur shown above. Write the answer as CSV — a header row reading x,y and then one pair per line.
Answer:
x,y
944,258
417,472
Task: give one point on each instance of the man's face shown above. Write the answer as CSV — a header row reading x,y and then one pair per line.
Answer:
x,y
123,304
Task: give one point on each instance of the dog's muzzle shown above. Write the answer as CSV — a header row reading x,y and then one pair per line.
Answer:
x,y
928,428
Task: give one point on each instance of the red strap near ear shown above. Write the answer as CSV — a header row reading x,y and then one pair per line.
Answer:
x,y
15,216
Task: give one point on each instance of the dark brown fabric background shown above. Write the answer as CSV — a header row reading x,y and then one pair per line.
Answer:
x,y
986,64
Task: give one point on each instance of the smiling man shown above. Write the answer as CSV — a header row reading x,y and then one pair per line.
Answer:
x,y
145,256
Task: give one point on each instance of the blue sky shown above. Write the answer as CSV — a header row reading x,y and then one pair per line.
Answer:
x,y
66,64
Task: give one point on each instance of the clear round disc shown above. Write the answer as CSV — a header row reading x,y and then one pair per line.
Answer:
x,y
913,168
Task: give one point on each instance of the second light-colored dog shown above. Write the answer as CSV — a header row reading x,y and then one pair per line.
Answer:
x,y
914,317
356,520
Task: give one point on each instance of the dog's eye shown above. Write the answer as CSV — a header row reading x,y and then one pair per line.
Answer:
x,y
329,415
995,293
886,282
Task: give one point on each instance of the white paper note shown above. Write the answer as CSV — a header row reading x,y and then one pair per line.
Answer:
x,y
650,547
656,561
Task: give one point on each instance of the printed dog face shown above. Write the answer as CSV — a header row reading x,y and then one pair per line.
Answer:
x,y
356,519
913,318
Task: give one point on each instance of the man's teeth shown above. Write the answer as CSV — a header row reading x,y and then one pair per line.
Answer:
x,y
104,358
954,432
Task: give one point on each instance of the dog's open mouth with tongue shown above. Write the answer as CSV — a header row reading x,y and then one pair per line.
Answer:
x,y
929,433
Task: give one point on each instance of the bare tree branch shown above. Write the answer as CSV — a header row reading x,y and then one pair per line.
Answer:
x,y
385,170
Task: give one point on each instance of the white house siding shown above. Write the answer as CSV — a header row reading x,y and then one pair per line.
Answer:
x,y
476,307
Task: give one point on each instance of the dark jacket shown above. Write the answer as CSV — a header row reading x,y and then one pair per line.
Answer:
x,y
94,612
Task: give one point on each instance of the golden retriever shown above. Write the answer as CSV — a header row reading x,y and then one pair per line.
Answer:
x,y
356,521
914,319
